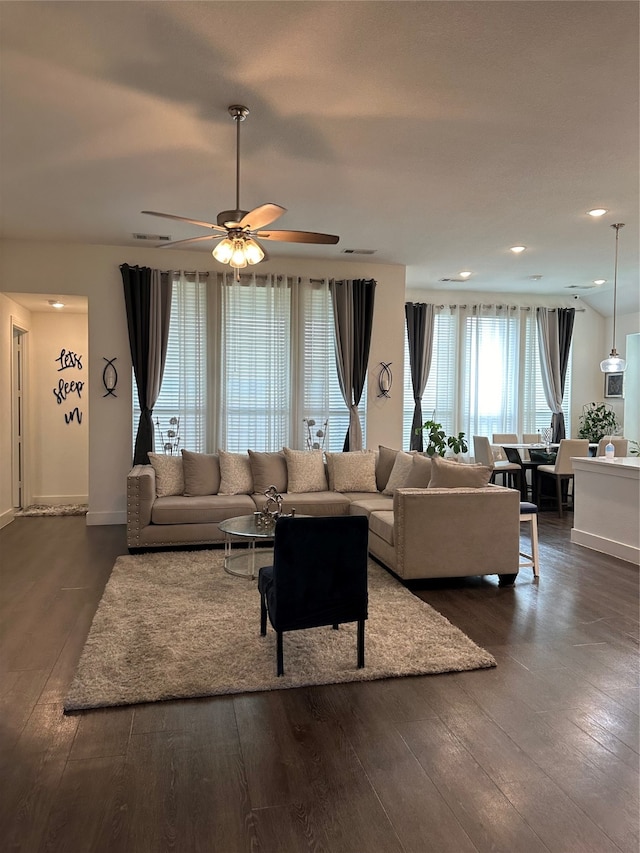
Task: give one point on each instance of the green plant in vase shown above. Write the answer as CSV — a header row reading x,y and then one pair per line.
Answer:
x,y
596,421
438,441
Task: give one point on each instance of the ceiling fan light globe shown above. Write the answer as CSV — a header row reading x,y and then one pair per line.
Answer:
x,y
238,258
253,252
223,252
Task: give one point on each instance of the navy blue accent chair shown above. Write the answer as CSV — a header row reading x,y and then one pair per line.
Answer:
x,y
318,577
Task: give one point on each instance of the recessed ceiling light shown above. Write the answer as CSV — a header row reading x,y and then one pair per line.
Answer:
x,y
599,280
465,274
55,303
517,249
535,277
598,211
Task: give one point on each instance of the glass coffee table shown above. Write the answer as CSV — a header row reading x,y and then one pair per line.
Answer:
x,y
246,562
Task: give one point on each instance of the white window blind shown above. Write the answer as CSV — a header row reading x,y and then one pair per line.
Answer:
x,y
320,389
183,394
247,362
255,384
485,374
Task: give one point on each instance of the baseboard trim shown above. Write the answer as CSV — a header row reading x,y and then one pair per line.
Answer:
x,y
98,518
6,518
606,546
59,500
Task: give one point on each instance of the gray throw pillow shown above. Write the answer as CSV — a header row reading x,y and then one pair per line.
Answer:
x,y
420,473
201,473
384,466
268,469
454,475
352,472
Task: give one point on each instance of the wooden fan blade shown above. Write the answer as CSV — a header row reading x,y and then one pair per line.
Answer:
x,y
190,240
297,236
260,216
185,219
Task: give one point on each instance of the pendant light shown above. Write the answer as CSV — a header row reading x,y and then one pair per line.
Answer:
x,y
614,363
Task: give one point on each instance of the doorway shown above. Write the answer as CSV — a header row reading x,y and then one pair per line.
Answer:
x,y
18,444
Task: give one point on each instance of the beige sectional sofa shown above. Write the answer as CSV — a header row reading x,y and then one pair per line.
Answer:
x,y
417,529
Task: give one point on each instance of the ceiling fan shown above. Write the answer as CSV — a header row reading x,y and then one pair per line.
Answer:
x,y
238,229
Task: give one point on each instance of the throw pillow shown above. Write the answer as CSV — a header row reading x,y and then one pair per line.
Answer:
x,y
420,473
201,473
352,472
305,471
169,474
235,474
384,466
399,473
453,475
268,469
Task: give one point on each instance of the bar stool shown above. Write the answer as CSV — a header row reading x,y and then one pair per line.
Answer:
x,y
529,512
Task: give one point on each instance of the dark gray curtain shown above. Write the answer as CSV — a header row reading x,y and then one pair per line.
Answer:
x,y
419,318
555,329
353,302
147,297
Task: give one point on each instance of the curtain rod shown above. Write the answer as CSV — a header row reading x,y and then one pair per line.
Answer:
x,y
187,272
513,307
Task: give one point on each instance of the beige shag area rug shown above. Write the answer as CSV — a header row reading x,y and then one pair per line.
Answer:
x,y
41,510
174,625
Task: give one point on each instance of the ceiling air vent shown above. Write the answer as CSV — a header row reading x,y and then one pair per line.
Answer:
x,y
456,280
153,238
359,251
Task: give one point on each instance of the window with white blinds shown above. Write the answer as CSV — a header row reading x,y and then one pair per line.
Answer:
x,y
180,412
263,349
485,375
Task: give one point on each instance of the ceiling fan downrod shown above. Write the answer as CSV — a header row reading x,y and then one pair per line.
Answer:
x,y
227,218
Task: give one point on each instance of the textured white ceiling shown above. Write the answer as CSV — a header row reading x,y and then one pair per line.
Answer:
x,y
437,133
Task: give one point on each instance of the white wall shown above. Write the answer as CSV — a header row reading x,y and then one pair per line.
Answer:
x,y
632,388
93,271
59,464
627,324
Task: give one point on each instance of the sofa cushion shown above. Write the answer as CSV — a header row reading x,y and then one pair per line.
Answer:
x,y
305,471
399,472
384,466
352,472
200,510
169,474
268,469
201,473
310,503
420,473
381,523
366,504
235,474
454,475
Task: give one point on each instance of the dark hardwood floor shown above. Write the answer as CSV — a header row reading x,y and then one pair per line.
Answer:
x,y
537,755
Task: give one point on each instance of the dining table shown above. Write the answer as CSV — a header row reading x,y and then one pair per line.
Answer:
x,y
530,465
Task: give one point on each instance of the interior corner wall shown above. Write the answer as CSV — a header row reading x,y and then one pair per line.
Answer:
x,y
10,314
59,405
93,271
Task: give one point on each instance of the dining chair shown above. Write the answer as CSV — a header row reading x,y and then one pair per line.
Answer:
x,y
505,438
513,455
318,577
532,438
621,445
511,472
562,471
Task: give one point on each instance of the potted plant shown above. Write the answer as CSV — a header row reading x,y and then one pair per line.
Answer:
x,y
438,441
596,421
